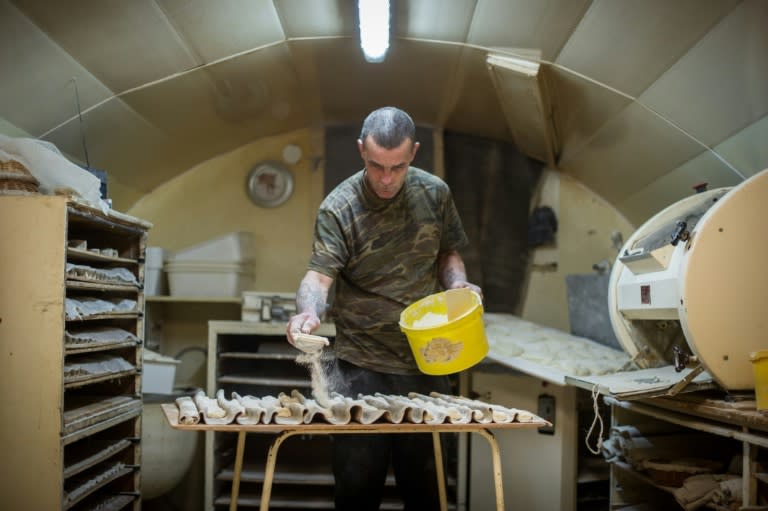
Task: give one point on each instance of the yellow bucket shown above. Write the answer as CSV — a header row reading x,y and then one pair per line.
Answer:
x,y
760,368
440,345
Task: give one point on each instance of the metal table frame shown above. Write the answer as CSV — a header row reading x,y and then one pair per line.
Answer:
x,y
285,431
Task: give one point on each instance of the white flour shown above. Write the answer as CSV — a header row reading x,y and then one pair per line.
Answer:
x,y
430,319
318,376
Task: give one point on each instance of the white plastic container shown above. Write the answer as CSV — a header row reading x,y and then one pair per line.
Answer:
x,y
155,257
155,280
234,247
159,373
208,279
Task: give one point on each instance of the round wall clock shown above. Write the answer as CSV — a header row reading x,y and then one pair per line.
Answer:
x,y
269,184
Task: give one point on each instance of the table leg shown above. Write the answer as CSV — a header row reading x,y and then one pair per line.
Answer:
x,y
496,456
238,471
440,472
269,470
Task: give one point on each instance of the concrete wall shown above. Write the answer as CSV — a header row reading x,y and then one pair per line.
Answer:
x,y
210,200
583,238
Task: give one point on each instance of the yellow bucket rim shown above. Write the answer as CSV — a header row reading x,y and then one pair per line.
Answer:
x,y
416,304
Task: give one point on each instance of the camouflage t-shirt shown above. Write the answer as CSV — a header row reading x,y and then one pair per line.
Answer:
x,y
383,257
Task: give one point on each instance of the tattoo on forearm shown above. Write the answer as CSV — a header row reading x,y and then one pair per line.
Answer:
x,y
450,275
451,269
309,297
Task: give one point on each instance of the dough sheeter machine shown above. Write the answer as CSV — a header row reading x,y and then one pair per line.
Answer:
x,y
688,294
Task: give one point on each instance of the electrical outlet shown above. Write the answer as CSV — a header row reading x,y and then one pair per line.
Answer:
x,y
547,412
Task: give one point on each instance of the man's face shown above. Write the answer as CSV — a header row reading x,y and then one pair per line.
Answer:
x,y
386,168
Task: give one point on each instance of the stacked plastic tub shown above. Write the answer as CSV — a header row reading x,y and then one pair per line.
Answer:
x,y
221,266
155,281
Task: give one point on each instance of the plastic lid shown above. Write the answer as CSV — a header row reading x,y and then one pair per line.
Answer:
x,y
153,356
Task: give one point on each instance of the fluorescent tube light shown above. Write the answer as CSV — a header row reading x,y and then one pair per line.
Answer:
x,y
374,28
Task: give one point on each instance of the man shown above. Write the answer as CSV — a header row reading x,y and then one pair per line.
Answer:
x,y
386,236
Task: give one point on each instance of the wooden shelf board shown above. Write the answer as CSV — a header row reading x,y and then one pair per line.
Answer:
x,y
261,328
317,474
96,457
91,347
274,382
78,494
251,500
110,315
100,286
80,381
85,255
88,416
258,356
234,300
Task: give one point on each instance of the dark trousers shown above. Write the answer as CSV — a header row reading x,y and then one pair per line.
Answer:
x,y
361,461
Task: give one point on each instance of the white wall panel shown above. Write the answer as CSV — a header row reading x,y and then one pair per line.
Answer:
x,y
122,143
677,184
542,25
123,44
317,18
581,108
214,30
719,87
747,150
627,44
36,91
629,152
433,19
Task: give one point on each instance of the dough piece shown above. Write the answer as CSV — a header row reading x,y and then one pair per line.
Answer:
x,y
432,414
232,407
188,413
513,337
295,408
273,409
309,343
394,412
414,413
338,413
254,410
455,413
481,412
362,412
210,410
500,414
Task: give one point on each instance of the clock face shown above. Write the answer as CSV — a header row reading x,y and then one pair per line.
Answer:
x,y
269,184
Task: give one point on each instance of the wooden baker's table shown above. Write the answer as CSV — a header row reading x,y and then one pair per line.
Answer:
x,y
287,430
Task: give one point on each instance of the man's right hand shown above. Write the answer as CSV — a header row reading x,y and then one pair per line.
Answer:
x,y
310,300
305,322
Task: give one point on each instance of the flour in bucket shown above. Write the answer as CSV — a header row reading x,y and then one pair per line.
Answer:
x,y
430,319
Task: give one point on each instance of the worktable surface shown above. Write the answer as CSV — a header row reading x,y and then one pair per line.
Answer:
x,y
171,412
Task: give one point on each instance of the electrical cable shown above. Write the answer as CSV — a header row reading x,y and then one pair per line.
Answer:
x,y
80,117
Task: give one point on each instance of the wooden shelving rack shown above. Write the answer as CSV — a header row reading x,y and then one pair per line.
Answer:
x,y
70,437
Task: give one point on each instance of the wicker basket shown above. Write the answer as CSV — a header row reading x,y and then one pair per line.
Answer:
x,y
16,179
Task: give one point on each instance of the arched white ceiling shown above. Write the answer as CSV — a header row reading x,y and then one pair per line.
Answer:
x,y
639,100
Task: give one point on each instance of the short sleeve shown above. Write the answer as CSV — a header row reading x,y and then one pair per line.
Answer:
x,y
454,237
329,247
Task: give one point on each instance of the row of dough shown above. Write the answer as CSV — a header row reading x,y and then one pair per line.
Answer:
x,y
417,408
